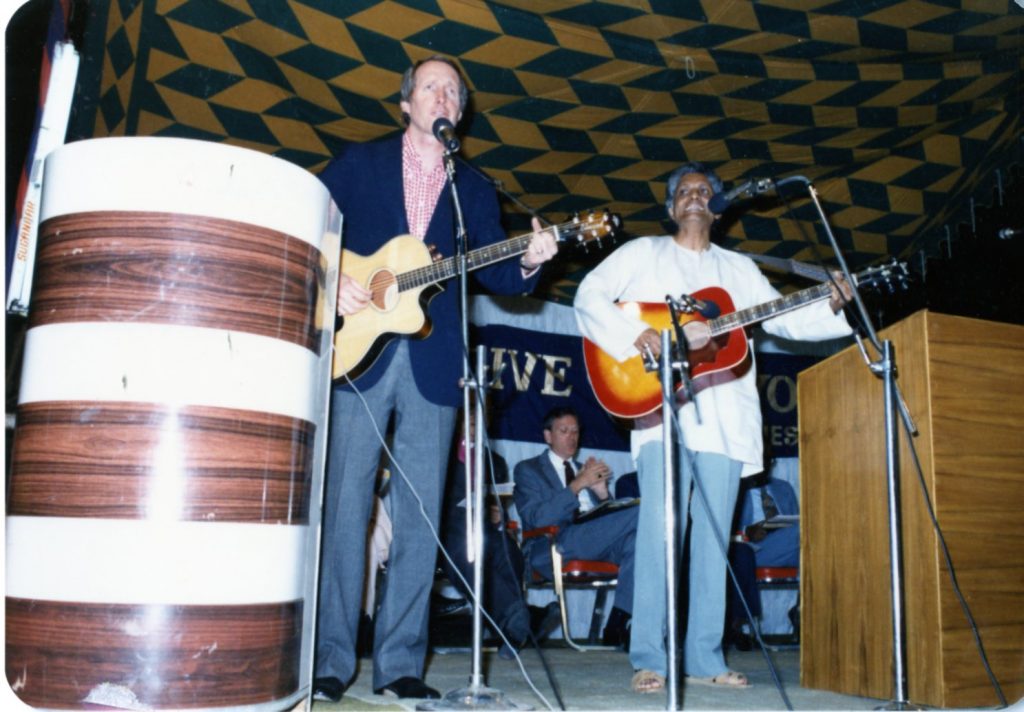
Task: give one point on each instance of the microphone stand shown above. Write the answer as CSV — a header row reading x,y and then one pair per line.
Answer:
x,y
668,365
668,465
477,695
884,368
684,349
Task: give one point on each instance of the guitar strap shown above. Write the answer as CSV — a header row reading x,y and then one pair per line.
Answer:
x,y
790,266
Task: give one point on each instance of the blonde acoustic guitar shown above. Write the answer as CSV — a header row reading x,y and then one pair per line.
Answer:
x,y
402,277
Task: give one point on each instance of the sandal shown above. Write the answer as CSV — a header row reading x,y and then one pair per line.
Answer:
x,y
647,681
729,678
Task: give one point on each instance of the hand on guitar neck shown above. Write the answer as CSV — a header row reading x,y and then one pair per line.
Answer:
x,y
842,295
542,247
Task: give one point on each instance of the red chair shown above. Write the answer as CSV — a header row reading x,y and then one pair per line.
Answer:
x,y
780,578
575,574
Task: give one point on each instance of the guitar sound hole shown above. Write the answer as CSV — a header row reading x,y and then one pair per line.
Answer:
x,y
383,286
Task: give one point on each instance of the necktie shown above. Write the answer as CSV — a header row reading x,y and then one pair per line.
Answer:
x,y
569,474
768,504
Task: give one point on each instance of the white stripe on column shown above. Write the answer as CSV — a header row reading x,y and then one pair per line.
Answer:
x,y
173,175
153,562
177,365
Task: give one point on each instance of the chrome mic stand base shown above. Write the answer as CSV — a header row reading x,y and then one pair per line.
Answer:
x,y
901,706
474,697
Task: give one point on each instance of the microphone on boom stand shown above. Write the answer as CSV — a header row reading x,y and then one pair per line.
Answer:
x,y
444,131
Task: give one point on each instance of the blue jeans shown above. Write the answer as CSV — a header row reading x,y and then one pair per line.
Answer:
x,y
720,479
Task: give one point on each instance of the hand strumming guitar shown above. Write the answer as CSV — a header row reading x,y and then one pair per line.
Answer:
x,y
649,340
352,296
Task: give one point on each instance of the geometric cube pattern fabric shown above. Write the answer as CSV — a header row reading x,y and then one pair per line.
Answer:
x,y
898,111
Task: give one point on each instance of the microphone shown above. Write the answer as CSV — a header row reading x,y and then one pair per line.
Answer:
x,y
755,186
444,132
1008,232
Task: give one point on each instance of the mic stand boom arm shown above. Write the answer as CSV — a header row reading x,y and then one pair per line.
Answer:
x,y
885,368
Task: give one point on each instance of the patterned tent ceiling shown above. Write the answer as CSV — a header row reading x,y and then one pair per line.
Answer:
x,y
899,111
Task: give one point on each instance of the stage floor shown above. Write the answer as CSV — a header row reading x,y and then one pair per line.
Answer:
x,y
599,680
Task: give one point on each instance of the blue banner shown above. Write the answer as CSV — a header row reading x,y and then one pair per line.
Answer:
x,y
537,372
776,384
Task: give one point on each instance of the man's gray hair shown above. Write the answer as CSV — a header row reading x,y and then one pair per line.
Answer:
x,y
686,168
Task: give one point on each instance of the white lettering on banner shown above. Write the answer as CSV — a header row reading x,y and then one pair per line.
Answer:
x,y
770,388
553,373
520,378
555,368
779,435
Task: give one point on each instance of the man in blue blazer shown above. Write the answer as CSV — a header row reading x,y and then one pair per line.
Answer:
x,y
551,488
387,188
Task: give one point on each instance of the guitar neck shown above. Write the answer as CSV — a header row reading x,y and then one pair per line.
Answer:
x,y
752,315
475,259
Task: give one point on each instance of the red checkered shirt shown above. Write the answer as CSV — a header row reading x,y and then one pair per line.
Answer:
x,y
422,188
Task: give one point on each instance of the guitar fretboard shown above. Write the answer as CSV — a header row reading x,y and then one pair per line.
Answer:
x,y
481,257
767,310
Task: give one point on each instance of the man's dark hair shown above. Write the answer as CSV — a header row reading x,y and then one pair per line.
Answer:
x,y
559,412
409,81
686,168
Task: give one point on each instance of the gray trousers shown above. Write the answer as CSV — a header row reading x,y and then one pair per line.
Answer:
x,y
423,434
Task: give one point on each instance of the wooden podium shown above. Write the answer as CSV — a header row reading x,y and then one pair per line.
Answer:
x,y
963,380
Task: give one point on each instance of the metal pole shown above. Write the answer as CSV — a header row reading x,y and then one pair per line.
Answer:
x,y
886,369
668,466
476,679
899,645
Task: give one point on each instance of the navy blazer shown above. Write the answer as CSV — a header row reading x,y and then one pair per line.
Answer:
x,y
365,180
541,497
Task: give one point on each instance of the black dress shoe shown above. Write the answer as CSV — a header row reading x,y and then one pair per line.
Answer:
x,y
739,638
328,689
616,630
409,687
616,638
549,621
449,606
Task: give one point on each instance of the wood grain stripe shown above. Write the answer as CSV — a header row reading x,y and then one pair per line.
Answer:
x,y
168,656
178,269
117,460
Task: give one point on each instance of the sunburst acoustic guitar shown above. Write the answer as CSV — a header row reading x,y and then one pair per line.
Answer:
x,y
402,277
714,332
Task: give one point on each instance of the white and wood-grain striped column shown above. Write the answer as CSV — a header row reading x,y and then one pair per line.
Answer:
x,y
165,488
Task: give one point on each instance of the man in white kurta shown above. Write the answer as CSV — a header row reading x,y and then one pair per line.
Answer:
x,y
724,446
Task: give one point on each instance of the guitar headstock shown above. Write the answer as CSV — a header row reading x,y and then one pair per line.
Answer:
x,y
891,277
593,226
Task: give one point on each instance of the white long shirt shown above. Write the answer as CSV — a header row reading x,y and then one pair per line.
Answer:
x,y
646,269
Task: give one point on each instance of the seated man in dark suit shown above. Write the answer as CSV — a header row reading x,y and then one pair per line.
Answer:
x,y
502,559
552,487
